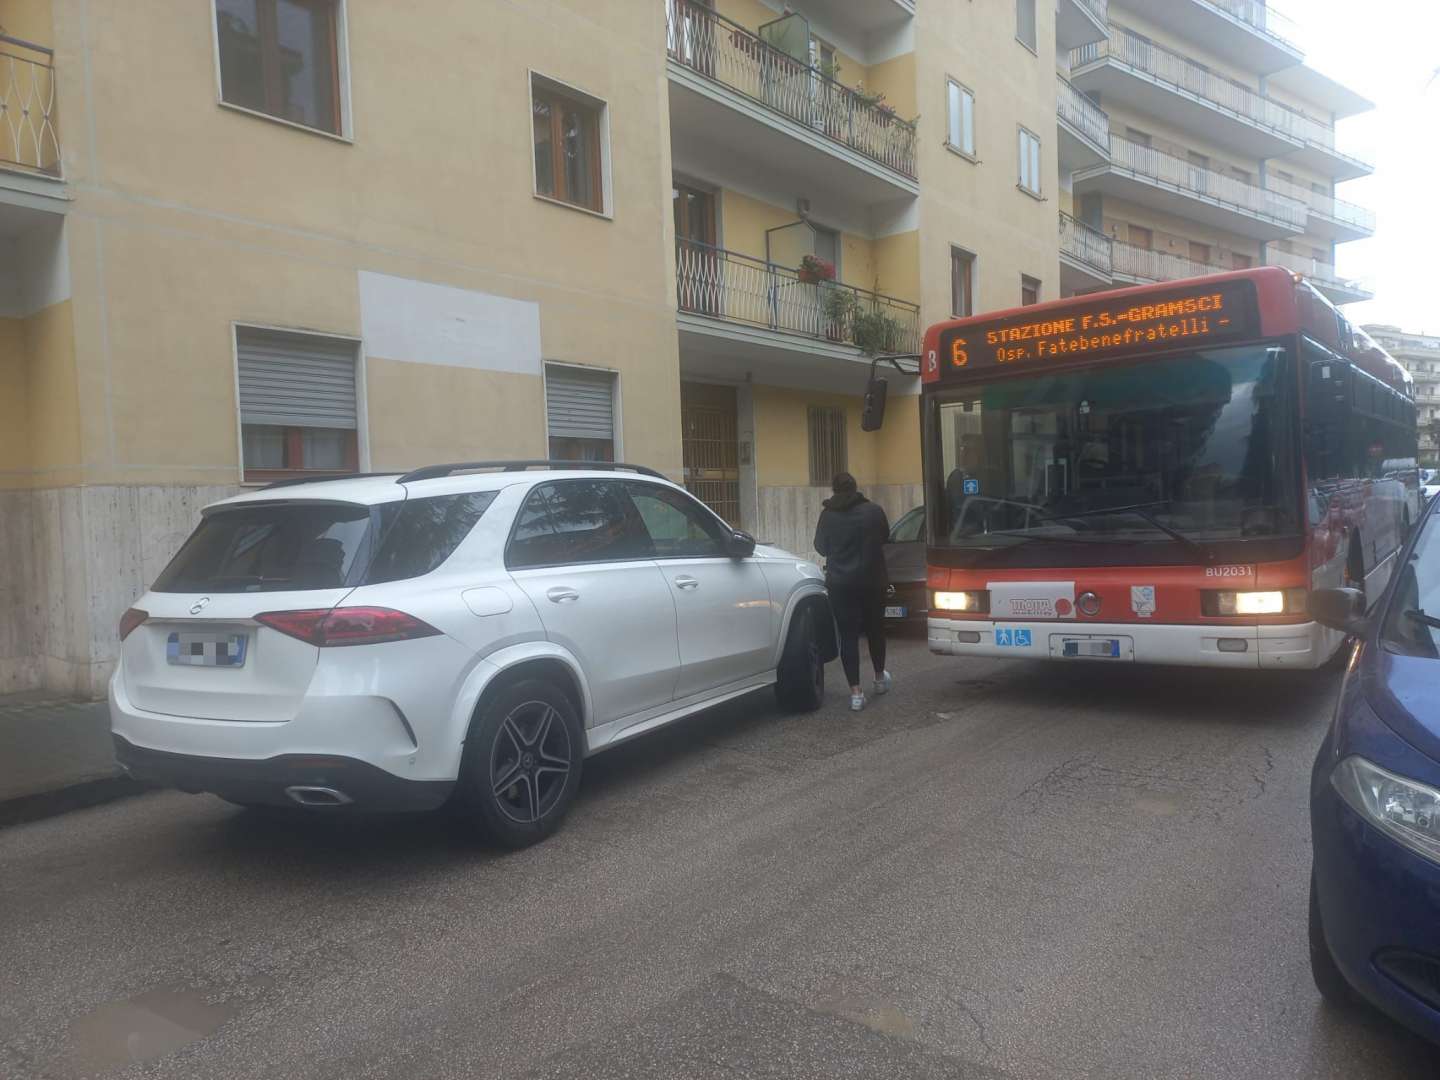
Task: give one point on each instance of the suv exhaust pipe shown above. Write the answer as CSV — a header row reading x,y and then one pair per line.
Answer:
x,y
309,795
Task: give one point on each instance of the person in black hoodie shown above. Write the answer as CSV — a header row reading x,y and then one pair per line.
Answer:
x,y
851,535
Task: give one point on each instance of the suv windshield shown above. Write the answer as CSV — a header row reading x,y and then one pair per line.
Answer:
x,y
1412,626
290,546
1177,453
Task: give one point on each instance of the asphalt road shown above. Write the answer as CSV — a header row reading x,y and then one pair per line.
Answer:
x,y
999,870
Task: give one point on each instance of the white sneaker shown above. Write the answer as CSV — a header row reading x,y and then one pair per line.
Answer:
x,y
857,702
883,683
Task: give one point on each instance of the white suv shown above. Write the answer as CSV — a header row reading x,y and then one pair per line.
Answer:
x,y
461,633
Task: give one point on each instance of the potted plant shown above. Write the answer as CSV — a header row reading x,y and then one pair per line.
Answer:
x,y
874,332
839,306
813,270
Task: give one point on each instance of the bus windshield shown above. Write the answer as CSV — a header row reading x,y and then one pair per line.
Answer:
x,y
1180,453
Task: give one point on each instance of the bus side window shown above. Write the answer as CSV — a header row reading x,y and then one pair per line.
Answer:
x,y
1327,410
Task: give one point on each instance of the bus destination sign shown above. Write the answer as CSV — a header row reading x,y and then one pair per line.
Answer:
x,y
1196,315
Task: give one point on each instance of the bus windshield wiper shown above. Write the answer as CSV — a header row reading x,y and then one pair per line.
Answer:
x,y
1142,511
1025,538
1421,617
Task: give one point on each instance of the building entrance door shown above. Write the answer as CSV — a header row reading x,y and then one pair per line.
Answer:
x,y
710,447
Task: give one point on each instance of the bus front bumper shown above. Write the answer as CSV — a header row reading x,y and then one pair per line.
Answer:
x,y
1300,646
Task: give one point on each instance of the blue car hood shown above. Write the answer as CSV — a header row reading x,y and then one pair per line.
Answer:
x,y
1405,692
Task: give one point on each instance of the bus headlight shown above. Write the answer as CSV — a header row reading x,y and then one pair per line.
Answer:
x,y
972,602
1407,811
1271,602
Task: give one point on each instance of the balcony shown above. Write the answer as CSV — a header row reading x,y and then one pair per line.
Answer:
x,y
1084,129
1141,266
1329,217
1172,185
856,20
738,313
31,187
1085,257
1337,290
1079,22
1256,36
741,108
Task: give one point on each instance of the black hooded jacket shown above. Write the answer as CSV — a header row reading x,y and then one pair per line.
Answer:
x,y
851,534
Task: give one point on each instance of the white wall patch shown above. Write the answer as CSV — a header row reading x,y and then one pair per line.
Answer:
x,y
423,323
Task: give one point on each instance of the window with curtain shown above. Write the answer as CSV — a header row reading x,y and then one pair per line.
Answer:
x,y
962,282
298,404
568,161
961,108
282,58
1029,290
1030,161
828,454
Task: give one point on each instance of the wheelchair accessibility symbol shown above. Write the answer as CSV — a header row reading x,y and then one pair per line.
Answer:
x,y
972,487
1013,639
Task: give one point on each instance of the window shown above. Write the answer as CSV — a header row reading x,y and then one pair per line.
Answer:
x,y
910,528
1029,290
1197,160
567,134
1141,237
577,521
282,58
1241,262
1025,23
679,527
962,283
1199,253
420,534
298,410
960,104
1029,161
580,413
1243,175
1135,135
826,244
827,444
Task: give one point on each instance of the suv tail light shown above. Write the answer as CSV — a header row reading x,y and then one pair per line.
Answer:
x,y
326,627
130,620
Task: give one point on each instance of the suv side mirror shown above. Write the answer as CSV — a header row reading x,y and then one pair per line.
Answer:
x,y
872,416
741,545
1339,609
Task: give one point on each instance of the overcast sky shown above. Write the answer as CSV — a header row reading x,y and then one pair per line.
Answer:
x,y
1388,50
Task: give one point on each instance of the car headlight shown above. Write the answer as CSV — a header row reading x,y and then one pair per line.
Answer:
x,y
974,601
1405,810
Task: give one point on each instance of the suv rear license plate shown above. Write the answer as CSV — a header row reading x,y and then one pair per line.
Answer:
x,y
895,611
197,649
1094,648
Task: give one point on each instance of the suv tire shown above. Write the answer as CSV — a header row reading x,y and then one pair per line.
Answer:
x,y
800,680
522,763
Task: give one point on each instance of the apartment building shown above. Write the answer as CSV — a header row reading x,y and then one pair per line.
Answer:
x,y
1199,141
1420,354
242,240
248,240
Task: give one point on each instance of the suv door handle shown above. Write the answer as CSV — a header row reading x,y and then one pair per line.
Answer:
x,y
561,595
685,581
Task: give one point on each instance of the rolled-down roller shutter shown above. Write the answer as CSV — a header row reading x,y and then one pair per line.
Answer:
x,y
295,380
579,404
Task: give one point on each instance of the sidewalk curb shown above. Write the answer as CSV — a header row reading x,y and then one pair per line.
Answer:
x,y
46,804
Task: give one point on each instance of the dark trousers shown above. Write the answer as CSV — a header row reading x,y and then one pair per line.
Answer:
x,y
859,608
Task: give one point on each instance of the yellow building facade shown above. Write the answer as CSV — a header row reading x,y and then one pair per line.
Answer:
x,y
244,241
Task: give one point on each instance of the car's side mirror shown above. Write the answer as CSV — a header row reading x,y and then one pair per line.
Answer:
x,y
872,415
741,545
1339,609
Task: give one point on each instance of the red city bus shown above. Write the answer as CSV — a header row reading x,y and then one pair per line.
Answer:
x,y
1161,474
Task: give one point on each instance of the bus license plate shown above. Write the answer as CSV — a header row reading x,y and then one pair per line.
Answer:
x,y
895,611
1093,648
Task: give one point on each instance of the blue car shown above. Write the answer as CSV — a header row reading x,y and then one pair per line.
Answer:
x,y
1375,799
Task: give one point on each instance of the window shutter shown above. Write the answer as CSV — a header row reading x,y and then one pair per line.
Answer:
x,y
295,380
579,404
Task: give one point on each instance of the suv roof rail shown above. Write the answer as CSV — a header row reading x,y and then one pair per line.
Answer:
x,y
322,478
431,472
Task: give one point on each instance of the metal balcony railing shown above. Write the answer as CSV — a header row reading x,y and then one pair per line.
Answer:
x,y
1321,273
1346,213
740,289
28,136
724,51
1082,114
1261,17
1086,245
1100,9
1185,75
1206,183
1147,265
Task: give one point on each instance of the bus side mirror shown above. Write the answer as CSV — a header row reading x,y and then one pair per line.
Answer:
x,y
1339,609
873,415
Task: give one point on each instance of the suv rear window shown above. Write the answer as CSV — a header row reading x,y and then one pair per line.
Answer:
x,y
292,546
